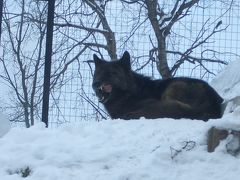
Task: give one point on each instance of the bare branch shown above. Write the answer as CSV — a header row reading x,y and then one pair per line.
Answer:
x,y
109,36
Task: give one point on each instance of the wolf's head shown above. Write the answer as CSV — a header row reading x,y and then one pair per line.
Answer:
x,y
112,79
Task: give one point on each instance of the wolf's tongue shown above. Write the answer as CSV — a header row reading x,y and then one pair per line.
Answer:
x,y
107,88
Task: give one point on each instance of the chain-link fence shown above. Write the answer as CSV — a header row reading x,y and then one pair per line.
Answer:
x,y
204,36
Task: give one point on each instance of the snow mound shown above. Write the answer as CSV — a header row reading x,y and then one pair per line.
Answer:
x,y
4,125
227,83
117,150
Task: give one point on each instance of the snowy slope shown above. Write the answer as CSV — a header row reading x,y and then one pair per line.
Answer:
x,y
163,149
227,83
4,124
117,150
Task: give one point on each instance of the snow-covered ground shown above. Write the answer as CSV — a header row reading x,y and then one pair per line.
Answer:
x,y
117,150
163,149
4,124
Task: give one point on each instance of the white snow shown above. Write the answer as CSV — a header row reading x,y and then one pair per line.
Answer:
x,y
117,150
227,83
163,149
4,124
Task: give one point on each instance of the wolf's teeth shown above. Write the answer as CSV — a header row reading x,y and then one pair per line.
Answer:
x,y
101,99
101,88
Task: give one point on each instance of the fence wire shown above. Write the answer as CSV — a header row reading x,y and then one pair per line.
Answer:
x,y
75,101
78,34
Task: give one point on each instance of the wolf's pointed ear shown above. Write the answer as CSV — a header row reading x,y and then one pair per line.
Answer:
x,y
125,60
97,60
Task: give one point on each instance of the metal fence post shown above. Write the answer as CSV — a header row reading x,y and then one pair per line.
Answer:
x,y
48,61
1,15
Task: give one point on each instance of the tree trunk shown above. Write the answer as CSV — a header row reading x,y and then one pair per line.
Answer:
x,y
109,34
26,115
162,64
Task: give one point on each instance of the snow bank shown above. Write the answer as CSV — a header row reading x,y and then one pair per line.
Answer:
x,y
117,150
227,83
4,125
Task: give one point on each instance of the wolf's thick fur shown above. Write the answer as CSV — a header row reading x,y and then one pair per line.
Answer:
x,y
128,95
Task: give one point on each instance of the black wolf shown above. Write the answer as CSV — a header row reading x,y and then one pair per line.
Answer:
x,y
128,95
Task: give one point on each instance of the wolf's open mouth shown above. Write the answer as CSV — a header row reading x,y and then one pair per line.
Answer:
x,y
105,90
104,98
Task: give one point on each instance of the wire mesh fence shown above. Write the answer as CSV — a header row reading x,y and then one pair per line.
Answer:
x,y
75,100
83,28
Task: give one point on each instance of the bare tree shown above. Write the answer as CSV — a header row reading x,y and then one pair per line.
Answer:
x,y
163,21
21,66
96,24
25,27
